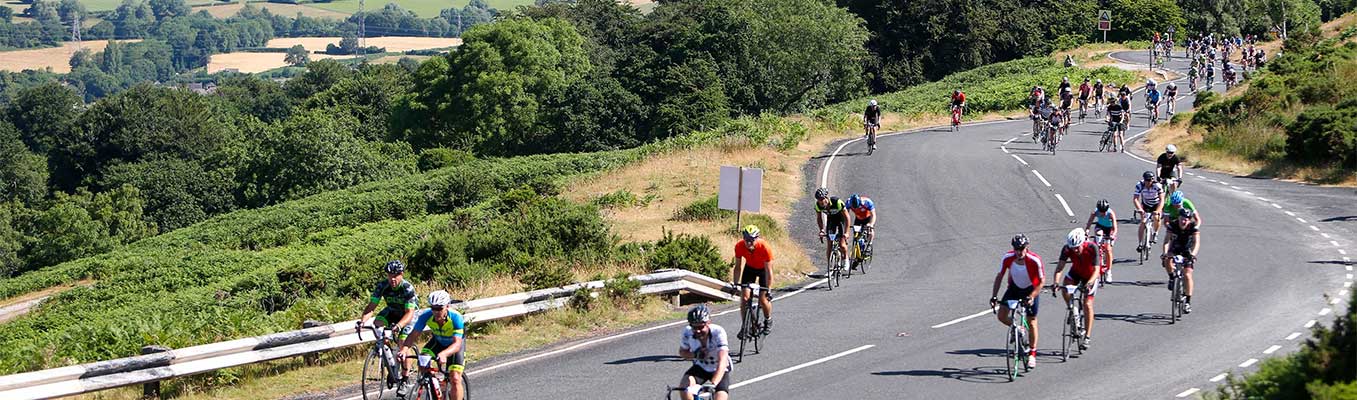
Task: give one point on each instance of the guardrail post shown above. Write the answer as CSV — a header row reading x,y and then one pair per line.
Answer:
x,y
311,359
151,390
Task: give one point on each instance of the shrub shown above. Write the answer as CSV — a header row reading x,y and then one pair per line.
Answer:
x,y
621,198
693,253
1204,98
1324,134
582,299
439,157
702,210
623,290
544,275
768,226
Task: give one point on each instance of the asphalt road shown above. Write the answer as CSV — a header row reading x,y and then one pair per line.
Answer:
x,y
949,202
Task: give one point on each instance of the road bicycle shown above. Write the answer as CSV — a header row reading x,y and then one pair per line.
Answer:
x,y
1103,246
835,270
871,137
1109,142
1152,113
752,330
862,250
1177,298
380,370
1083,109
1148,238
1016,351
956,118
1049,139
1073,330
433,382
704,392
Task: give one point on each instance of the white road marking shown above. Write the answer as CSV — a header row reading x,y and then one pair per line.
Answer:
x,y
1310,324
1223,183
1335,300
1272,349
790,369
1347,284
1006,142
1217,378
1188,392
1064,204
1248,363
1334,243
1042,178
1235,187
1015,157
1342,293
1314,228
1349,276
1189,173
1274,205
1325,235
1288,213
1341,251
1005,149
1325,311
1248,193
962,319
798,291
1302,220
1293,336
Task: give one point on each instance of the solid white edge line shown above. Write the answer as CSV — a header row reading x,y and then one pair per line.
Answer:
x,y
1293,336
1272,349
824,171
1064,204
1248,363
1341,251
1217,378
794,368
798,291
1188,392
962,319
1015,157
1347,284
1310,324
1042,178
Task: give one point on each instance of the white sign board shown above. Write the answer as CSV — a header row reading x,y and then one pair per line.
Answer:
x,y
741,189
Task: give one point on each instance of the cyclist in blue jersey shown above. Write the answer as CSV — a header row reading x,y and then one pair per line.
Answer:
x,y
864,215
1152,99
447,345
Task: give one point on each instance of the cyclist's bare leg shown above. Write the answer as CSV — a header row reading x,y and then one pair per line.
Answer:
x,y
1140,232
687,381
455,385
1187,276
764,301
744,299
1032,331
1088,316
843,247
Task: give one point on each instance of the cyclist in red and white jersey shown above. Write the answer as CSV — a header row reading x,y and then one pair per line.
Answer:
x,y
1026,275
1084,256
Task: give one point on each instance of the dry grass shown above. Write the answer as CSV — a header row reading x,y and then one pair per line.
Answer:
x,y
289,10
56,58
1092,55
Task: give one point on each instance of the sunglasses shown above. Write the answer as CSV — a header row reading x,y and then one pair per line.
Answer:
x,y
437,308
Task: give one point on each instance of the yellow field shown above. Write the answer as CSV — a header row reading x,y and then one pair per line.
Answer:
x,y
260,62
56,58
253,62
289,10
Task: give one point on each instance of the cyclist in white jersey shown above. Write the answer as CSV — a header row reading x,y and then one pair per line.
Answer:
x,y
1148,199
705,343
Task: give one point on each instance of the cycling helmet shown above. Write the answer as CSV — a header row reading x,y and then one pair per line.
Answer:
x,y
1148,175
854,200
440,298
1075,238
750,232
1085,79
1187,213
1150,82
395,267
956,92
699,314
1176,198
1100,80
821,193
1104,205
1019,241
1172,85
871,103
1171,149
1064,79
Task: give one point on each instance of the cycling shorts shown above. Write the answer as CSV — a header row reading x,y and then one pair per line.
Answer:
x,y
1182,249
1072,278
1106,230
457,362
702,376
1017,293
750,275
1083,97
1065,104
391,315
836,224
1149,209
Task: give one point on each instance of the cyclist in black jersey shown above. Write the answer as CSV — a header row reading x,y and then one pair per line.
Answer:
x,y
831,215
399,295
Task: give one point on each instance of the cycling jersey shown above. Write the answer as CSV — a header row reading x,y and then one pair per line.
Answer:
x,y
958,98
444,333
1098,89
1173,210
873,115
1168,165
864,209
401,296
1022,274
835,209
755,259
707,353
1171,91
1104,219
1083,259
1046,112
1152,96
1182,236
1149,195
1114,111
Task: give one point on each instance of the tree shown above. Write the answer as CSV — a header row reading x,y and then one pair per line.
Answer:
x,y
368,96
6,14
1140,19
23,174
254,96
71,9
319,76
179,193
44,114
169,8
85,224
13,238
314,151
694,98
297,56
43,11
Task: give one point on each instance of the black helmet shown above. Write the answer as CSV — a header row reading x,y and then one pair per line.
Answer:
x,y
1020,241
1148,175
395,267
1187,213
821,193
1104,205
699,314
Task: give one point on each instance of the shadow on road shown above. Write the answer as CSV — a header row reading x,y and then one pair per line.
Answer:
x,y
1348,218
1335,262
651,359
972,375
1138,283
1138,319
979,352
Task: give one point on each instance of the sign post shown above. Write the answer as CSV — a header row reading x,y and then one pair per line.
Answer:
x,y
741,190
1104,22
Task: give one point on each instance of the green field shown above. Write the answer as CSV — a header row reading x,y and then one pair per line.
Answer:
x,y
425,8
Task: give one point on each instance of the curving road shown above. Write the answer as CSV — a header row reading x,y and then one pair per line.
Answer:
x,y
949,202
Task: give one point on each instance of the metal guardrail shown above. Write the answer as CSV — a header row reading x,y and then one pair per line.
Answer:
x,y
173,363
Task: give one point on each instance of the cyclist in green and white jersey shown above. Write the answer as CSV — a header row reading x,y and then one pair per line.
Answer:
x,y
1179,202
399,295
831,215
447,344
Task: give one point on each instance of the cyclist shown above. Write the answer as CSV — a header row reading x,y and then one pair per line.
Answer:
x,y
1115,118
705,343
1228,71
1097,94
1152,98
1064,84
1045,113
831,214
1104,220
1125,102
864,215
446,344
1210,75
1192,76
1184,239
871,120
399,295
1084,256
1177,203
958,100
1171,95
1066,101
758,266
1026,276
1038,97
1058,120
1125,90
1148,200
1085,90
1170,168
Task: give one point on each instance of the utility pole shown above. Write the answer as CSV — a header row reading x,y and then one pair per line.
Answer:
x,y
362,29
75,30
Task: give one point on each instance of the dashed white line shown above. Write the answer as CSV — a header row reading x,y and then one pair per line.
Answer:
x,y
1302,220
1334,243
1248,193
1314,228
1189,173
1293,336
1223,183
1274,205
1310,324
959,320
1325,311
1341,251
1042,178
1262,199
790,369
1248,363
1347,284
1349,276
1335,300
1235,187
1064,204
1188,392
1272,349
1015,157
1342,293
1217,378
1325,235
1288,213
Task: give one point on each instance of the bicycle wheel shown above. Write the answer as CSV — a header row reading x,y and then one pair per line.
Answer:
x,y
1079,327
1023,352
427,390
746,328
835,269
466,389
1011,356
1177,293
1067,335
374,375
865,263
757,336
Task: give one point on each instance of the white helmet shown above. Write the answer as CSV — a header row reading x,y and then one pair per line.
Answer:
x,y
871,103
440,298
1075,238
1149,82
1171,149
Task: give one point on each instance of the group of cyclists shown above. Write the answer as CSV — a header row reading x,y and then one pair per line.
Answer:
x,y
1051,118
446,326
1207,50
